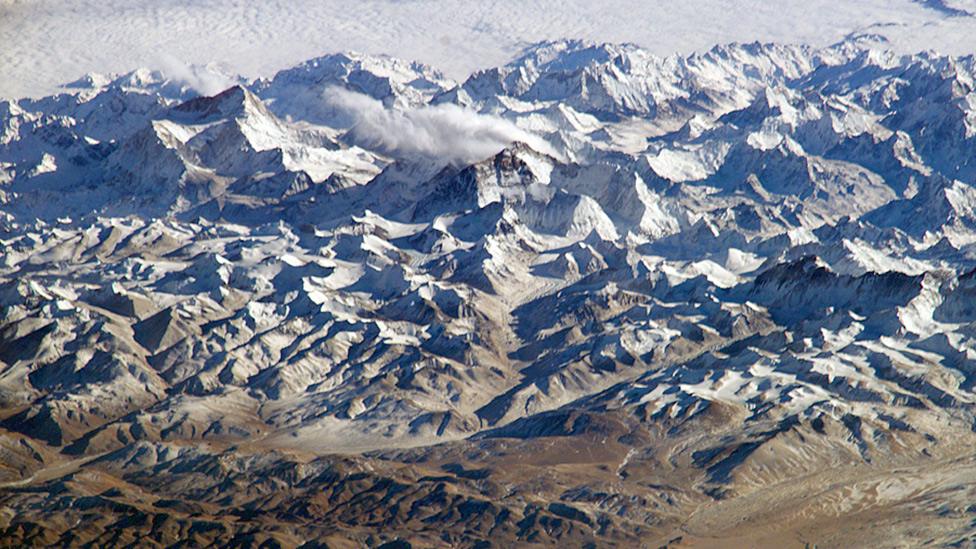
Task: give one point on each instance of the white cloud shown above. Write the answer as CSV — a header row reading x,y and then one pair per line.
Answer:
x,y
445,132
201,79
55,41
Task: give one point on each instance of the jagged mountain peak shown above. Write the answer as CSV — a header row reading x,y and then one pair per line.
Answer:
x,y
232,102
674,290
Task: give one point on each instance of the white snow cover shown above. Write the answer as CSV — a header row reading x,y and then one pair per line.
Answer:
x,y
360,253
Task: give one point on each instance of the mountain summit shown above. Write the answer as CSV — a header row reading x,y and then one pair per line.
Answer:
x,y
593,297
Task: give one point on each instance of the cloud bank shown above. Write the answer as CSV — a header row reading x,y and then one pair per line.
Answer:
x,y
443,132
47,43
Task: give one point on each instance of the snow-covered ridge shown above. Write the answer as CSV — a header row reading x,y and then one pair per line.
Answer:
x,y
360,254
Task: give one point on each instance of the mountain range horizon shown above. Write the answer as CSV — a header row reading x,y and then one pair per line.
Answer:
x,y
590,297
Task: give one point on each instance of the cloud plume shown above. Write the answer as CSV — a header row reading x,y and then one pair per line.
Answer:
x,y
443,132
201,79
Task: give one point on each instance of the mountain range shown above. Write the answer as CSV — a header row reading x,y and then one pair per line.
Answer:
x,y
593,297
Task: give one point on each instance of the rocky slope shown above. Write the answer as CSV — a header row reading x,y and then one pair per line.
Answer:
x,y
590,297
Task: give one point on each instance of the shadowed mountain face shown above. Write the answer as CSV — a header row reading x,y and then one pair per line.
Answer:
x,y
717,300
